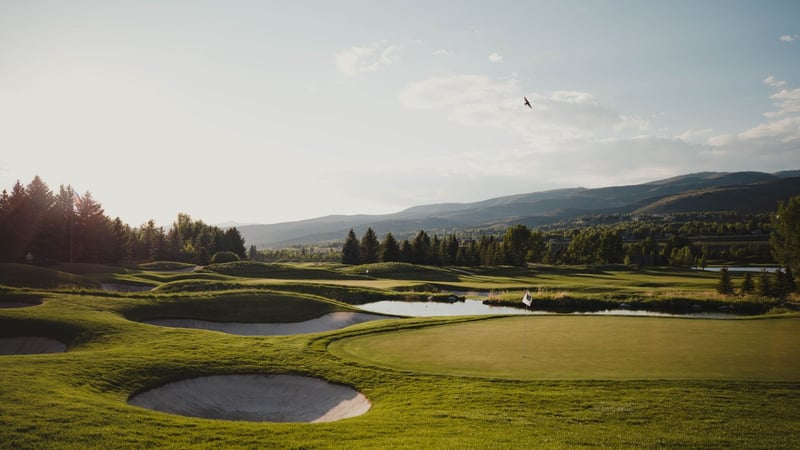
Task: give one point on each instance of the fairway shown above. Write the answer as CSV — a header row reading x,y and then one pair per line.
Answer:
x,y
590,347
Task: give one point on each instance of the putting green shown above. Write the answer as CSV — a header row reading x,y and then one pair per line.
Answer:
x,y
590,347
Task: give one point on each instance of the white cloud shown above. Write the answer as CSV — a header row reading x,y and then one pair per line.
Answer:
x,y
571,134
390,55
789,37
495,58
695,136
367,58
775,142
556,119
788,102
772,81
442,52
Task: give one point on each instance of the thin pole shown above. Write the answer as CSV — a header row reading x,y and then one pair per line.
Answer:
x,y
71,233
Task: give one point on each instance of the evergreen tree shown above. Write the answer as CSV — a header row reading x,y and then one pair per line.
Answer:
x,y
748,286
252,254
390,249
350,249
763,285
369,247
724,286
406,252
779,286
420,246
434,256
791,286
233,242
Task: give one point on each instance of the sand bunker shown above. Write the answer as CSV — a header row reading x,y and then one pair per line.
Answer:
x,y
256,398
18,303
331,321
30,345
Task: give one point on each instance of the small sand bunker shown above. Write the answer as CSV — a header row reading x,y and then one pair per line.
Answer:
x,y
18,303
256,398
330,321
30,345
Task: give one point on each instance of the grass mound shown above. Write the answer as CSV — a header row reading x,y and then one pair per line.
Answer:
x,y
245,307
256,269
26,275
402,271
166,266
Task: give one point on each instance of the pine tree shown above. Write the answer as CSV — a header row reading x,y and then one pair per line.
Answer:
x,y
420,247
390,249
369,246
747,284
791,286
763,285
350,250
724,287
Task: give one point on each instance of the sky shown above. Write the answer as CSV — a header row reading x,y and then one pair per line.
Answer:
x,y
275,111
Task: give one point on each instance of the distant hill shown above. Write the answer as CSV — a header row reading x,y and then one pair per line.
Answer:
x,y
743,192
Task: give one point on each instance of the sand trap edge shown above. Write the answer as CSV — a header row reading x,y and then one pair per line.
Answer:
x,y
327,322
256,398
30,345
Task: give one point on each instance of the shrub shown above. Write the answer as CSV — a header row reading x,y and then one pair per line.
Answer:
x,y
223,257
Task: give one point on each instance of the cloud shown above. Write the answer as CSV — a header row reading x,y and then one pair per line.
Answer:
x,y
787,101
556,118
789,37
367,58
572,135
771,81
495,58
775,141
442,52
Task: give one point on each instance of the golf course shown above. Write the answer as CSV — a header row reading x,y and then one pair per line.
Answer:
x,y
270,355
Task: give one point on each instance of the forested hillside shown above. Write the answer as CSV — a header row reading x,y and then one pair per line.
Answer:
x,y
741,192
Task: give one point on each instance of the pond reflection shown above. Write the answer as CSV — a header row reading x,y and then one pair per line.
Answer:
x,y
471,307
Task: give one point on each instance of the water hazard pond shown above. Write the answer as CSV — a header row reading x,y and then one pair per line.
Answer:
x,y
473,307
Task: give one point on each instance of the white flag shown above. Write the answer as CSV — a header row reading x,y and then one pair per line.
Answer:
x,y
527,299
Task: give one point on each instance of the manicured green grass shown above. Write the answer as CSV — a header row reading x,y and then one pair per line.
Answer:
x,y
78,399
590,347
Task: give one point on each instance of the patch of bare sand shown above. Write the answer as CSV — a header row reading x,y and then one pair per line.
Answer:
x,y
327,322
29,345
256,398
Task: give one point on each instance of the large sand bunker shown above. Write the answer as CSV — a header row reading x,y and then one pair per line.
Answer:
x,y
30,345
256,398
327,322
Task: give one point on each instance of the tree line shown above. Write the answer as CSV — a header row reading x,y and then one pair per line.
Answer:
x,y
597,244
55,227
779,283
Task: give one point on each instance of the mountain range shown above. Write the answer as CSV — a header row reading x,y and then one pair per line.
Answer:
x,y
742,192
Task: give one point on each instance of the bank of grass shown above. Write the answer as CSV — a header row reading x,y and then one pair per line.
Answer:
x,y
27,275
78,399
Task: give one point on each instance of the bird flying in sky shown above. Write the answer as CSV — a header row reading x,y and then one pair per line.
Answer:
x,y
527,103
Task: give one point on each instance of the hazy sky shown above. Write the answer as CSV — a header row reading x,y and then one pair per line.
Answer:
x,y
267,111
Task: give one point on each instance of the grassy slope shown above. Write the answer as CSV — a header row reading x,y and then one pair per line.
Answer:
x,y
78,398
